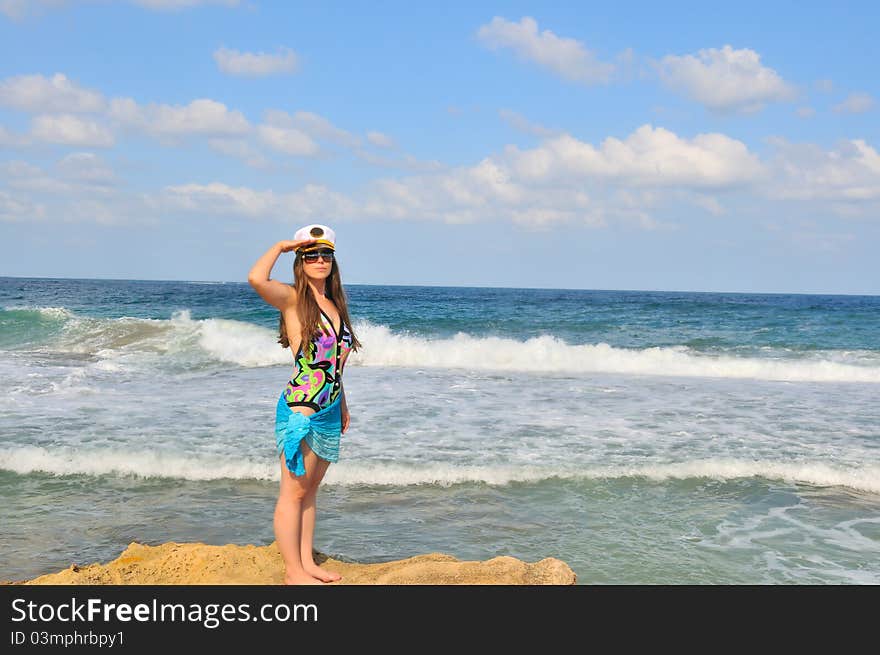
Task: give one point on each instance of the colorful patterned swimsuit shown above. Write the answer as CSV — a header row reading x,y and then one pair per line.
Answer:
x,y
317,380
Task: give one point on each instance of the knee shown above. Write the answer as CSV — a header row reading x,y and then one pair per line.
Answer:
x,y
299,493
294,492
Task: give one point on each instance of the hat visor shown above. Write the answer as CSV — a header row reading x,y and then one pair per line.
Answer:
x,y
320,243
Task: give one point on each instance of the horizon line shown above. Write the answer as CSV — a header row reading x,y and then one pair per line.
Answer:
x,y
454,286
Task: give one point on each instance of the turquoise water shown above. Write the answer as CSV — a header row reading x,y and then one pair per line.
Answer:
x,y
642,437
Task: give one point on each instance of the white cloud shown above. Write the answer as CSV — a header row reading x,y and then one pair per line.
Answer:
x,y
17,168
240,149
259,64
203,116
709,203
22,176
848,173
39,94
288,140
635,207
86,168
522,124
231,133
566,180
298,134
855,103
222,198
632,179
311,202
14,209
316,202
320,127
725,79
485,191
648,157
71,130
317,127
565,57
69,195
380,140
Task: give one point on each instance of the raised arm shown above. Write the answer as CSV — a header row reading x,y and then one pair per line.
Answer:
x,y
272,291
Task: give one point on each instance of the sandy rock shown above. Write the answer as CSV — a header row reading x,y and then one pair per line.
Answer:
x,y
196,563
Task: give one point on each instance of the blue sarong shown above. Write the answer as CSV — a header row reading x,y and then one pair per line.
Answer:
x,y
321,431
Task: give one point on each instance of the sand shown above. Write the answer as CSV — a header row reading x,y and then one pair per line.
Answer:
x,y
197,563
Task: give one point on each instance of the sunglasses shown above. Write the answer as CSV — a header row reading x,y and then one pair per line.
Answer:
x,y
312,257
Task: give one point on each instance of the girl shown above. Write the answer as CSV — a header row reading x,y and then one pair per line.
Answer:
x,y
312,412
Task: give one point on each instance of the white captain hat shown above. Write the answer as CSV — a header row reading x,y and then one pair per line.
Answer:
x,y
323,235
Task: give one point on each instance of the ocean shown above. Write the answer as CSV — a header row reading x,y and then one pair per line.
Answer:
x,y
643,437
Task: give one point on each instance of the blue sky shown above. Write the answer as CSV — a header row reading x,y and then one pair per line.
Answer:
x,y
675,146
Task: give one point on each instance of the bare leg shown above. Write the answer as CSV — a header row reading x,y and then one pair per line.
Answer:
x,y
288,524
309,513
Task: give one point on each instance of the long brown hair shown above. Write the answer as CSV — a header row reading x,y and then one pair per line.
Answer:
x,y
307,308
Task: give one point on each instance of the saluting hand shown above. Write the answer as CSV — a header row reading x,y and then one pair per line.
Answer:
x,y
287,246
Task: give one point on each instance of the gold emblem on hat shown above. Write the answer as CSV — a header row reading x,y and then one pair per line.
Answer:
x,y
316,232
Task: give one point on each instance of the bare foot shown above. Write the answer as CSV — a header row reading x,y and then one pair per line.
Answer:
x,y
300,577
322,574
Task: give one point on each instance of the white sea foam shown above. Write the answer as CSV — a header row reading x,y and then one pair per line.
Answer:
x,y
249,345
142,464
151,464
552,355
241,343
863,478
